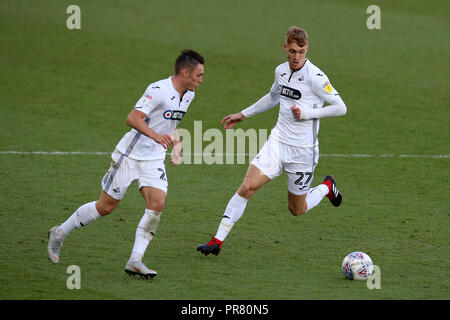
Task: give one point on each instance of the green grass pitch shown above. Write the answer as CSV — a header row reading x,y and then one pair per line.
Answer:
x,y
71,90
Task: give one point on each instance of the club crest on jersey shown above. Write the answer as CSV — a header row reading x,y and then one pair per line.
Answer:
x,y
290,92
173,115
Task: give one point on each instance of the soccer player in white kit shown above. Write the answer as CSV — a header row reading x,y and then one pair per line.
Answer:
x,y
139,156
301,90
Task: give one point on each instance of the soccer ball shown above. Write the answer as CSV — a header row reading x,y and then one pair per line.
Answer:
x,y
357,266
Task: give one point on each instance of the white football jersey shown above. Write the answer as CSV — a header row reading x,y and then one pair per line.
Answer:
x,y
308,87
164,109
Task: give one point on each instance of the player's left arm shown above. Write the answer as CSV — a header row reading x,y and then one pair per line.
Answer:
x,y
175,157
322,87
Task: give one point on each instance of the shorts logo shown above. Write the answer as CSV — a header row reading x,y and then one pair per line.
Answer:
x,y
173,115
290,92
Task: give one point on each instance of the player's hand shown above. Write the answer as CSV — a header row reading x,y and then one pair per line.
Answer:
x,y
175,157
232,119
163,139
296,112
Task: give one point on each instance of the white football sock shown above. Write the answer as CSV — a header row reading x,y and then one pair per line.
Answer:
x,y
233,213
80,218
315,195
144,233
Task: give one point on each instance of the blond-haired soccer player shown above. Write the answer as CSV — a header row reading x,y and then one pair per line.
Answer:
x,y
139,156
301,89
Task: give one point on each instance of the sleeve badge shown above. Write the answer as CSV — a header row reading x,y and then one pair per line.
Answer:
x,y
327,86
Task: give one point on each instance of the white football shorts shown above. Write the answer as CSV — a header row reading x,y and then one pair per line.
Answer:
x,y
124,171
298,162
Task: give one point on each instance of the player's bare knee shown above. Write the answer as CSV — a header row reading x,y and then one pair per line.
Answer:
x,y
247,189
105,210
157,205
297,211
104,207
106,204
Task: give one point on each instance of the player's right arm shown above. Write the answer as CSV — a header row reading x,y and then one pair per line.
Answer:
x,y
267,102
151,98
231,119
136,120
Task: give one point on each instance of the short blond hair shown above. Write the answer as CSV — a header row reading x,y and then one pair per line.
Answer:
x,y
297,35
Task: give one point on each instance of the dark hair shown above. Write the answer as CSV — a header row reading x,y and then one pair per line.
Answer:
x,y
188,59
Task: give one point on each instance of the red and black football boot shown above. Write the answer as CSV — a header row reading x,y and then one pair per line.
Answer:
x,y
213,246
333,195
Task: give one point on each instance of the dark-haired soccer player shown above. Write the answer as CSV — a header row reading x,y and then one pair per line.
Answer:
x,y
293,146
139,156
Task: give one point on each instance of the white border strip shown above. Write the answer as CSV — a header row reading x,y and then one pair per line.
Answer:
x,y
336,155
